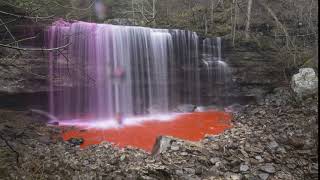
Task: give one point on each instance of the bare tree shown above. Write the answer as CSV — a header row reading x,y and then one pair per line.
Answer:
x,y
146,8
234,19
247,30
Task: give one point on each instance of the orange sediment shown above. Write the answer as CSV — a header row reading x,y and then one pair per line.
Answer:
x,y
191,126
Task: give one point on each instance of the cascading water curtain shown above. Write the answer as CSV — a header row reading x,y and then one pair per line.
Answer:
x,y
109,70
218,71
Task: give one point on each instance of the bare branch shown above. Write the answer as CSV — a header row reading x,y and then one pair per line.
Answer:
x,y
8,30
80,9
67,59
26,17
34,49
20,40
8,22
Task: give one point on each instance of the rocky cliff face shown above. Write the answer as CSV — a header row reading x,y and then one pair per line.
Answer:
x,y
254,71
25,75
23,83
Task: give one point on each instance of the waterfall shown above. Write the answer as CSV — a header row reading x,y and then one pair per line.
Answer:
x,y
186,59
109,70
218,71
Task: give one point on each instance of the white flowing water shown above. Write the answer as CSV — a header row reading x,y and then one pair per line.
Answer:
x,y
109,70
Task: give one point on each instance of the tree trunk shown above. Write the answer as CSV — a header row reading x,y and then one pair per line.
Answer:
x,y
132,7
154,12
247,30
234,23
206,24
212,13
273,15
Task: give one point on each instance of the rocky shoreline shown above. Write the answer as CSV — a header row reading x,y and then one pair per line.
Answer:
x,y
276,139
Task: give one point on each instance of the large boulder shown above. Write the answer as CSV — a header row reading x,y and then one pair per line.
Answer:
x,y
305,83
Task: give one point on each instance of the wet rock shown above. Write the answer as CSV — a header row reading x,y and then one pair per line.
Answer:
x,y
305,83
262,112
208,108
281,150
123,157
244,153
296,142
283,175
213,171
199,170
76,141
161,145
186,177
215,160
234,108
232,176
215,146
85,162
244,167
189,170
45,140
211,137
174,147
273,145
184,153
259,158
254,149
263,176
268,168
250,177
179,172
186,108
201,109
154,109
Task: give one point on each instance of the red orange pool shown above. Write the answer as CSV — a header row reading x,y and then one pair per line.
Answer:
x,y
191,126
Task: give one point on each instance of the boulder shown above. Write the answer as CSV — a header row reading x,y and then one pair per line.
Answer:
x,y
268,168
207,108
161,145
305,83
186,108
165,144
76,141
